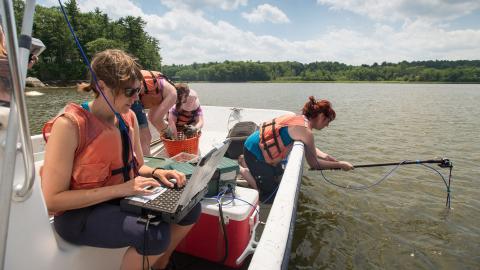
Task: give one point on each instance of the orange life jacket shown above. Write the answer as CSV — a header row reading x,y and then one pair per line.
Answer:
x,y
271,144
185,118
98,158
152,92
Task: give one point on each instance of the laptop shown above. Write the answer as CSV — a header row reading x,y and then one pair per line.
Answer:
x,y
173,204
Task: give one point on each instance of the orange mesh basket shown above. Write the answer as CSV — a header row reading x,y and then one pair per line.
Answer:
x,y
174,147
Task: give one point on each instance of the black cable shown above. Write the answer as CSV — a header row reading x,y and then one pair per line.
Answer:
x,y
145,245
405,162
225,237
363,187
447,185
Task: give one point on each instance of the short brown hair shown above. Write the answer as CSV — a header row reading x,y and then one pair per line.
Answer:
x,y
182,89
313,108
116,68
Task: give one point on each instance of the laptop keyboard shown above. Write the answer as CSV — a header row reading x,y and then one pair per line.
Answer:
x,y
167,201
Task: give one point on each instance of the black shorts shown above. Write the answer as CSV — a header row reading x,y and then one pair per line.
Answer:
x,y
266,176
106,226
139,111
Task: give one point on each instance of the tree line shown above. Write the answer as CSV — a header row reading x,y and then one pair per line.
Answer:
x,y
61,61
96,32
463,71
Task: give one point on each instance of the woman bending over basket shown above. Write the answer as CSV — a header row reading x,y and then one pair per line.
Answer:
x,y
186,116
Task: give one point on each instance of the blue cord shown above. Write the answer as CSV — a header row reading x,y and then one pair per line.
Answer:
x,y
363,187
253,206
121,122
222,194
271,194
448,202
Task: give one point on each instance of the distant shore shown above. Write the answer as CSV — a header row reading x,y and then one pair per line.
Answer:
x,y
73,84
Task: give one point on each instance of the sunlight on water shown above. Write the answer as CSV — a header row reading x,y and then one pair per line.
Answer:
x,y
400,224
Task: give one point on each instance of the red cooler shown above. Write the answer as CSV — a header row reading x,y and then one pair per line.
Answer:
x,y
206,239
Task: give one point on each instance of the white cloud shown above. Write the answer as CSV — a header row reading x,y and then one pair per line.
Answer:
x,y
187,36
201,40
197,4
114,8
264,13
394,10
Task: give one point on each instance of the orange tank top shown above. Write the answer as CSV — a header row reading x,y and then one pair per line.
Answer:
x,y
98,158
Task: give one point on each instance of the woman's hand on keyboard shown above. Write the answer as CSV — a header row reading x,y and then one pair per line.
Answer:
x,y
164,175
138,186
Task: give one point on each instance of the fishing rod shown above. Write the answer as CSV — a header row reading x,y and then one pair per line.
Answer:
x,y
442,163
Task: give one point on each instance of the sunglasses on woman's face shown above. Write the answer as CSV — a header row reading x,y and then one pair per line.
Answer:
x,y
129,92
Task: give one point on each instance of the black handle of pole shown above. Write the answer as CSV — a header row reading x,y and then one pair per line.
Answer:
x,y
444,163
398,163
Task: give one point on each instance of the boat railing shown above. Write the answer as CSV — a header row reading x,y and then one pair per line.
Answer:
x,y
19,107
273,250
18,119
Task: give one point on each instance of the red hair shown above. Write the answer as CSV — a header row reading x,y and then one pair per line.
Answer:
x,y
313,108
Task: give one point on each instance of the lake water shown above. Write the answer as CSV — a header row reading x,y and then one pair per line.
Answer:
x,y
401,223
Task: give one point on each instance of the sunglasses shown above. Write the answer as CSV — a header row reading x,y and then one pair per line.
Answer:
x,y
129,92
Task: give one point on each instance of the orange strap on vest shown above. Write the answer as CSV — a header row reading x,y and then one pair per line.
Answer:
x,y
271,144
152,94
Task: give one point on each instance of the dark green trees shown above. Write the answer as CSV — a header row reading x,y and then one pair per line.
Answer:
x,y
96,32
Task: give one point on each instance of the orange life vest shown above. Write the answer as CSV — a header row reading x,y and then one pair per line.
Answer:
x,y
152,92
185,118
98,158
271,144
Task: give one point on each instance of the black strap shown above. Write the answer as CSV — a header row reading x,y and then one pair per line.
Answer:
x,y
275,139
167,79
145,86
275,136
264,140
186,113
155,83
121,169
125,154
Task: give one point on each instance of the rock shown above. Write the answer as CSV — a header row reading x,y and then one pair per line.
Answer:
x,y
33,94
34,82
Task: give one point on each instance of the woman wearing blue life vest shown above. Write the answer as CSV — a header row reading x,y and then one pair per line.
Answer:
x,y
93,159
265,149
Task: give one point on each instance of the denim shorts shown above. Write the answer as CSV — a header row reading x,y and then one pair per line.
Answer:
x,y
139,111
106,226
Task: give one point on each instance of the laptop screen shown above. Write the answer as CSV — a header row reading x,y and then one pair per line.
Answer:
x,y
203,172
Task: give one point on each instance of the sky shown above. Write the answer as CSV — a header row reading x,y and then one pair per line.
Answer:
x,y
348,31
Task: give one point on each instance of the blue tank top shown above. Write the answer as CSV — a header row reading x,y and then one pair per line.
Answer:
x,y
85,106
253,140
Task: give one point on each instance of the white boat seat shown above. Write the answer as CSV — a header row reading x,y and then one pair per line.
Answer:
x,y
62,243
32,227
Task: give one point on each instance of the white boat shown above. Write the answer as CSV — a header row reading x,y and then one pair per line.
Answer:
x,y
28,238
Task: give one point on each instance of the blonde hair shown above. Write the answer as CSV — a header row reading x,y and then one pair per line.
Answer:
x,y
116,68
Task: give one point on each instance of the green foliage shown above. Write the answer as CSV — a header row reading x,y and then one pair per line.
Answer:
x,y
101,44
240,71
96,32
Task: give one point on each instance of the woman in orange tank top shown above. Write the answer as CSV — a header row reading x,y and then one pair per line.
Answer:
x,y
80,178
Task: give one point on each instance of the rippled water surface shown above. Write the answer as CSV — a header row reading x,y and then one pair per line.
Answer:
x,y
401,223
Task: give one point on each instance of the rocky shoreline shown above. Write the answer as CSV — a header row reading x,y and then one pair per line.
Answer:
x,y
36,83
